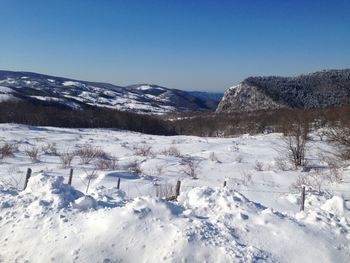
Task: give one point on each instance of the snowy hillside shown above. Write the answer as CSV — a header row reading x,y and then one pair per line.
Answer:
x,y
255,218
308,91
143,98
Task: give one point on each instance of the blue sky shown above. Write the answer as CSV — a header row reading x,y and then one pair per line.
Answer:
x,y
192,45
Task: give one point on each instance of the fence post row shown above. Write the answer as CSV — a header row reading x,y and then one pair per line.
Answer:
x,y
29,173
177,189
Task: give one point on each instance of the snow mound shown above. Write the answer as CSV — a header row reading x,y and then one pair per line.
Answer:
x,y
85,203
218,201
204,225
50,191
334,205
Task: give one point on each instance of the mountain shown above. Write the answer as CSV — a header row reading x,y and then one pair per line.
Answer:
x,y
315,90
77,94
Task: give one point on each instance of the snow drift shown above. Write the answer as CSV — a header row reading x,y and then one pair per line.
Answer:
x,y
51,221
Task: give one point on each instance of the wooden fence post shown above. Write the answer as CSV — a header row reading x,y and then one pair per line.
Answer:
x,y
118,184
178,185
70,176
302,205
29,173
225,183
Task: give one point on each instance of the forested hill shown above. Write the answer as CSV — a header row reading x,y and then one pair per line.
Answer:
x,y
307,91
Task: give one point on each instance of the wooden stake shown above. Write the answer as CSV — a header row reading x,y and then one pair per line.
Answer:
x,y
178,185
118,184
70,176
29,173
302,205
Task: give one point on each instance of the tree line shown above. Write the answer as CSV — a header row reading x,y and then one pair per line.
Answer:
x,y
45,115
199,124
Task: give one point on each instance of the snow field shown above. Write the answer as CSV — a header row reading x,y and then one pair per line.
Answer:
x,y
253,221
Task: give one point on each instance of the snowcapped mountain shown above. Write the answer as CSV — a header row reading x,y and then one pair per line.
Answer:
x,y
315,90
76,94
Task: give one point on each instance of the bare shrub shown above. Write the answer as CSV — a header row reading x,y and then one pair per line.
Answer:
x,y
160,170
89,176
66,159
334,174
246,177
7,150
172,151
165,191
191,166
110,163
282,163
318,180
239,159
314,181
134,167
321,135
88,153
33,153
12,180
339,136
143,150
213,157
50,149
302,180
259,166
127,145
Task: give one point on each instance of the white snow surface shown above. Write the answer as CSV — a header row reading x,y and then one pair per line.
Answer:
x,y
148,87
51,221
73,83
5,90
7,97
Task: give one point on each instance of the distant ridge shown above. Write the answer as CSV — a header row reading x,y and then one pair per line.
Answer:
x,y
78,94
315,90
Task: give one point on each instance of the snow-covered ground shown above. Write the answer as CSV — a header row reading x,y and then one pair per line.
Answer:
x,y
254,218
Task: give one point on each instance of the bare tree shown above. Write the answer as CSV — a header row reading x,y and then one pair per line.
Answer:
x,y
295,140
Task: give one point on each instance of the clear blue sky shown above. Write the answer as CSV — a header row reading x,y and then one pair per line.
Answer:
x,y
193,45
